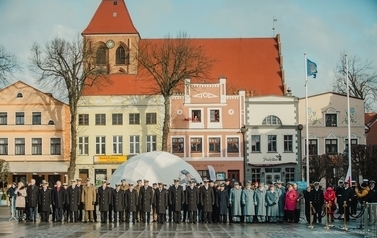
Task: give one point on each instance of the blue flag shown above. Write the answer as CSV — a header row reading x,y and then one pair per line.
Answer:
x,y
311,68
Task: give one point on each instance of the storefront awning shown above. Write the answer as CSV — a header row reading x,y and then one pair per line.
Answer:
x,y
38,167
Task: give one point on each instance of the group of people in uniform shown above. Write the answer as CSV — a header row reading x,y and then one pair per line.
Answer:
x,y
207,202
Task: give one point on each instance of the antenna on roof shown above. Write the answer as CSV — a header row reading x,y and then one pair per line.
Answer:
x,y
273,26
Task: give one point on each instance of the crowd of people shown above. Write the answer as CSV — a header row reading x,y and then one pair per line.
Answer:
x,y
206,203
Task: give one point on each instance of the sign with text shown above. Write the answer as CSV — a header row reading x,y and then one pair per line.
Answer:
x,y
110,159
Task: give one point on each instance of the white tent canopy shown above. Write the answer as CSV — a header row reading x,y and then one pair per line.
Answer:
x,y
155,166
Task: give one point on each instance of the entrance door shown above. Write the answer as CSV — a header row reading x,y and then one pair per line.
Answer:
x,y
272,175
20,178
234,175
52,179
38,179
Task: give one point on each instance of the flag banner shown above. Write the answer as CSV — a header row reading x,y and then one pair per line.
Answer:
x,y
311,68
348,176
212,173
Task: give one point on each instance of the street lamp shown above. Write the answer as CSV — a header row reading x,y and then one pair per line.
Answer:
x,y
243,131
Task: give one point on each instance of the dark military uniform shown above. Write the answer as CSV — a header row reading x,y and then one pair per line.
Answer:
x,y
58,202
104,201
73,201
81,205
339,198
207,199
131,202
145,201
176,200
160,200
32,201
192,201
44,202
118,204
317,199
347,195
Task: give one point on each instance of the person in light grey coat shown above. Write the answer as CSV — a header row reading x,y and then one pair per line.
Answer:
x,y
248,202
272,199
260,198
281,192
235,202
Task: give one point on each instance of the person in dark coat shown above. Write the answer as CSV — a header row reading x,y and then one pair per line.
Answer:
x,y
118,203
111,207
307,194
160,201
222,203
145,200
228,187
317,199
192,200
81,206
207,200
73,201
58,194
339,197
215,213
32,200
104,200
200,206
176,200
347,195
65,206
45,202
131,202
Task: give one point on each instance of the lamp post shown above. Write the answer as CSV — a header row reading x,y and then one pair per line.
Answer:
x,y
243,131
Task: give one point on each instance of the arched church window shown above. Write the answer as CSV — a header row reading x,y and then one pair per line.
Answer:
x,y
122,55
101,55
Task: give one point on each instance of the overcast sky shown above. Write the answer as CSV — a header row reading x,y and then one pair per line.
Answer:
x,y
322,28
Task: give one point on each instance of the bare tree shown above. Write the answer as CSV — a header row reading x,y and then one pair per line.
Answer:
x,y
67,67
318,165
4,172
8,64
169,62
362,80
364,160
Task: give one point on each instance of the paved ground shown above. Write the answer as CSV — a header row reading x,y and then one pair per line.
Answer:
x,y
15,229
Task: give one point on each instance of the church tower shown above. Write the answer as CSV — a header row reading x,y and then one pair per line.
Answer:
x,y
114,37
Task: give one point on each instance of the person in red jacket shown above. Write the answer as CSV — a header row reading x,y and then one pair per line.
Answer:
x,y
290,203
329,197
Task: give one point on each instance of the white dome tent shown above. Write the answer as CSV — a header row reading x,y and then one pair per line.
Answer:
x,y
155,166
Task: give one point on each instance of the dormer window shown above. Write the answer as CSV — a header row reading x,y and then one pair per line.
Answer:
x,y
19,95
101,55
122,56
51,122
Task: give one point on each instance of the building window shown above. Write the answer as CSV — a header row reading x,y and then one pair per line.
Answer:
x,y
100,145
151,118
134,118
20,118
196,115
83,119
271,120
122,56
51,122
232,145
196,145
36,146
353,142
204,174
289,175
178,145
37,118
288,143
255,143
255,175
313,147
3,118
117,144
134,144
272,143
100,119
3,146
83,145
214,145
101,55
214,115
331,120
331,146
151,143
19,95
19,146
56,146
117,119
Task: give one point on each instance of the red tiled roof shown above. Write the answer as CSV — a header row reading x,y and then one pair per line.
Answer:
x,y
121,84
111,19
369,117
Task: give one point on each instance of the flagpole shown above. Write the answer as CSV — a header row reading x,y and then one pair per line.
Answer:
x,y
307,121
349,123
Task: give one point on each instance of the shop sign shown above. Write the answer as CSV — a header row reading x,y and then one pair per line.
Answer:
x,y
110,159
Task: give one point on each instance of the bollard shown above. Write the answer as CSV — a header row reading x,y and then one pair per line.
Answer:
x,y
344,220
311,217
327,217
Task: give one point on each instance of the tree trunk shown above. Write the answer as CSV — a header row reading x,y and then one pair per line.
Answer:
x,y
166,127
72,161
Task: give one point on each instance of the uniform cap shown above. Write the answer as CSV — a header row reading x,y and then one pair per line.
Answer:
x,y
79,179
118,184
192,181
72,180
104,181
316,183
236,183
211,181
222,185
261,185
130,184
123,180
372,181
146,181
206,180
279,182
44,182
88,179
65,184
176,180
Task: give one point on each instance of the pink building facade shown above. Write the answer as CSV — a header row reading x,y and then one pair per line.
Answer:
x,y
204,129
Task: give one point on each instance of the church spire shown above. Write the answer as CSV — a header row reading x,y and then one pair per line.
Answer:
x,y
111,17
